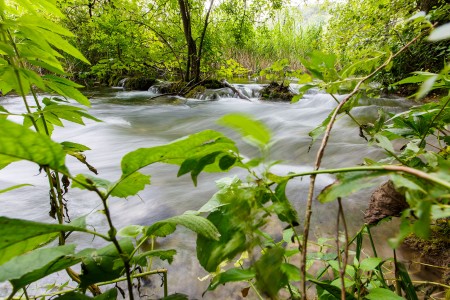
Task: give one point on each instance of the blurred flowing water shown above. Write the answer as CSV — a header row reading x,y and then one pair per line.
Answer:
x,y
133,120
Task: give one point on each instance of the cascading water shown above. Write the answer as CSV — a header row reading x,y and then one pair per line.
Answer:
x,y
133,119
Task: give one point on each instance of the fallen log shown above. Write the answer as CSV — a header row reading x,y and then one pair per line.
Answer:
x,y
239,93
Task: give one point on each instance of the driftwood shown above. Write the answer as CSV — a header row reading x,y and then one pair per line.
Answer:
x,y
242,96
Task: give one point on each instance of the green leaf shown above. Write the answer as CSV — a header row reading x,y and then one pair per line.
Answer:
x,y
27,268
232,241
319,130
25,246
405,282
292,272
370,264
104,264
130,185
68,91
14,231
282,206
226,162
426,86
440,33
332,289
254,131
380,293
19,142
348,184
162,254
107,295
194,146
18,186
269,276
74,146
199,225
131,231
60,43
384,143
231,275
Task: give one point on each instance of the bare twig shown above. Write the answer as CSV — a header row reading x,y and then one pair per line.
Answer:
x,y
344,259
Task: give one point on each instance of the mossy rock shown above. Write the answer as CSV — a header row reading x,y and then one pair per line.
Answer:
x,y
212,84
171,87
196,92
276,92
139,83
435,250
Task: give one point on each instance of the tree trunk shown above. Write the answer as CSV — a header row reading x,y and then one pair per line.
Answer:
x,y
192,64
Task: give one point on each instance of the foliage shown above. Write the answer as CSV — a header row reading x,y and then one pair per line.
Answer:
x,y
239,215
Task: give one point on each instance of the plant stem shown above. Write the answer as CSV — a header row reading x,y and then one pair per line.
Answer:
x,y
153,272
256,291
321,151
374,249
343,265
112,235
398,288
393,168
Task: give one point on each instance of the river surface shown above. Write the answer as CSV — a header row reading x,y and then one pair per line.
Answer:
x,y
133,120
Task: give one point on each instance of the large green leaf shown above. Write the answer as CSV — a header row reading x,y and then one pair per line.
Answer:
x,y
130,185
347,184
108,295
198,224
440,33
141,259
27,268
251,130
269,276
124,187
282,206
332,289
104,264
231,275
194,146
19,142
380,293
13,231
370,264
232,241
26,245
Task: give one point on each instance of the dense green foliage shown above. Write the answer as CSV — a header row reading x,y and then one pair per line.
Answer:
x,y
234,241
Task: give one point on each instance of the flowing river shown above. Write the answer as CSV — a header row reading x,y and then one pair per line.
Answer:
x,y
132,120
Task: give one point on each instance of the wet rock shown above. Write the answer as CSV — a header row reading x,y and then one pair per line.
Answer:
x,y
276,92
385,202
138,83
171,87
212,84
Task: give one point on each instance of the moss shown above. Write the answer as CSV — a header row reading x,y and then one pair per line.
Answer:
x,y
276,92
139,83
435,250
196,92
172,87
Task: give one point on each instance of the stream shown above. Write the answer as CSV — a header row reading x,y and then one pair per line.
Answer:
x,y
132,120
